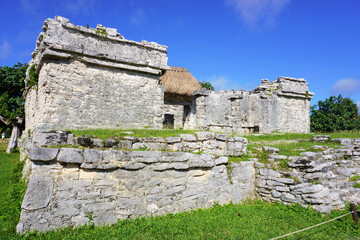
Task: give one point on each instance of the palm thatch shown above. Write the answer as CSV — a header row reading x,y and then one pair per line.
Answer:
x,y
179,80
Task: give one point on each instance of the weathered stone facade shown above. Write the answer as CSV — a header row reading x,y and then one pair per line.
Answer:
x,y
94,78
321,179
117,184
283,106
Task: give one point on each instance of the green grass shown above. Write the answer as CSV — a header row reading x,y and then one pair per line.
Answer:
x,y
120,133
343,134
253,220
12,189
275,137
292,136
293,149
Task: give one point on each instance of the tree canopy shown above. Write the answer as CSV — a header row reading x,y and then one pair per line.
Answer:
x,y
207,85
11,88
334,114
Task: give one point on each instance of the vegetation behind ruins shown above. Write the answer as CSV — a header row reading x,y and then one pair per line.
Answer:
x,y
334,114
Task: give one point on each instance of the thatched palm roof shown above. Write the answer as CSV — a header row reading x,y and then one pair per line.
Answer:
x,y
179,81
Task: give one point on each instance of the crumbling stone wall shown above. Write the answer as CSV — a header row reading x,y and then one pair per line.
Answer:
x,y
94,78
116,184
320,179
283,105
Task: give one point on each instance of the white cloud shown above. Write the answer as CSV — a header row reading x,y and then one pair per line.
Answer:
x,y
5,49
258,12
138,17
346,86
358,104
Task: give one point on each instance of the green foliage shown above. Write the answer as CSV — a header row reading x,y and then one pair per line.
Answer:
x,y
244,157
11,88
207,85
334,114
101,32
354,178
295,179
33,78
356,185
283,164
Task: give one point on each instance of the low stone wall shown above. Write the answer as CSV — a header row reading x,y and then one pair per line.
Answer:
x,y
320,179
68,184
206,142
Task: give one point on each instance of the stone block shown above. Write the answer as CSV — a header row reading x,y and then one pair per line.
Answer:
x,y
275,194
220,137
92,156
173,139
111,143
287,197
203,136
38,193
43,154
188,137
70,155
271,150
221,160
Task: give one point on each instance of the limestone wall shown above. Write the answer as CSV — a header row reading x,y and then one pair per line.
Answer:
x,y
112,185
178,111
205,142
94,78
321,180
283,105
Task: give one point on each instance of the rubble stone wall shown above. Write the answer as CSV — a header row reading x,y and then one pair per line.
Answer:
x,y
320,179
112,185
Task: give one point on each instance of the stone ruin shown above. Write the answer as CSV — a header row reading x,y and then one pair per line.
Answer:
x,y
95,78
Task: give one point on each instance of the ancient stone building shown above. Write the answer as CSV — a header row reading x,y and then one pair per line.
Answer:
x,y
282,105
92,78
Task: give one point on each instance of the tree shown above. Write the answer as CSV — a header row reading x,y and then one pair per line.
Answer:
x,y
11,101
334,114
207,85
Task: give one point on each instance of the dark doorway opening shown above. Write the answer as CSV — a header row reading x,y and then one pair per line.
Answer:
x,y
168,121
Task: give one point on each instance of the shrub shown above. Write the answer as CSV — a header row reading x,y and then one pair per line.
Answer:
x,y
334,114
207,85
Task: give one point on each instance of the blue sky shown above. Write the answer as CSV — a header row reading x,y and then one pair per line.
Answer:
x,y
231,43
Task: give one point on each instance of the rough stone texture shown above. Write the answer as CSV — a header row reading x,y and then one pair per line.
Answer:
x,y
115,185
324,178
87,79
38,193
207,142
43,154
178,111
282,105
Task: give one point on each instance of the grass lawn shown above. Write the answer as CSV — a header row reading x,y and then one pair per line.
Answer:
x,y
121,133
